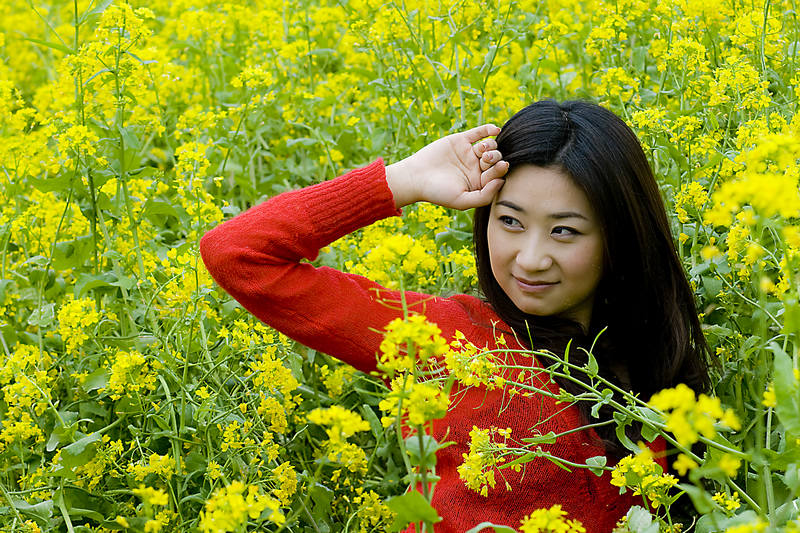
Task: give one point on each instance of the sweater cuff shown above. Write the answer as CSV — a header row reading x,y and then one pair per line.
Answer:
x,y
353,200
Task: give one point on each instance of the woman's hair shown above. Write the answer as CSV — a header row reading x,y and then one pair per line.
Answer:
x,y
643,298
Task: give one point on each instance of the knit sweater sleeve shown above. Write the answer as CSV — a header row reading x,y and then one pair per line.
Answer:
x,y
257,258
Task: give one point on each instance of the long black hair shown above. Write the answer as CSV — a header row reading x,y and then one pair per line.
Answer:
x,y
643,299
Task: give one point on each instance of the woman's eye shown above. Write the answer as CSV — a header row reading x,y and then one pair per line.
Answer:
x,y
564,230
510,222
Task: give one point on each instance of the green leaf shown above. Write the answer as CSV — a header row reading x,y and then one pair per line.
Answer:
x,y
641,521
40,511
525,458
423,455
410,507
787,394
93,76
596,464
43,317
497,529
158,207
322,497
547,438
606,394
717,521
591,366
87,282
142,61
700,498
73,254
792,477
129,137
96,11
80,451
55,46
374,424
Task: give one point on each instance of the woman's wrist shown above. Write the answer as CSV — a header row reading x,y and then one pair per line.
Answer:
x,y
400,183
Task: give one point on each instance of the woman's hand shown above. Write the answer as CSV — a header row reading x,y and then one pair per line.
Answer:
x,y
455,171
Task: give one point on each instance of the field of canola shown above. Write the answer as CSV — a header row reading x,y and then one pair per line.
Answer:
x,y
136,396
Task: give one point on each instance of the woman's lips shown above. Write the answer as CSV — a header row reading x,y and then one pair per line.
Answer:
x,y
534,286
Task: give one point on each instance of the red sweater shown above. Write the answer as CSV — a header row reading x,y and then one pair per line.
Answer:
x,y
256,257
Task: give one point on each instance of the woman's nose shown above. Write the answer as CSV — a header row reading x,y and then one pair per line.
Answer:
x,y
534,257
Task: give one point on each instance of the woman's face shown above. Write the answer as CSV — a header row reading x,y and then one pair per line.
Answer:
x,y
545,244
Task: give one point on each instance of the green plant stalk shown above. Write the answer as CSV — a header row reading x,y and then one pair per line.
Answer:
x,y
766,473
412,352
762,41
63,508
123,173
79,102
236,133
10,503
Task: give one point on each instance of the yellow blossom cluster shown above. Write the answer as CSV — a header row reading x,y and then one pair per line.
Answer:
x,y
412,402
729,503
229,508
472,366
131,372
768,182
645,476
408,341
160,465
74,317
477,471
341,424
285,479
688,416
372,511
552,520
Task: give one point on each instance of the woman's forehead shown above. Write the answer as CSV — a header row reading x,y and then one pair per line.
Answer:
x,y
532,188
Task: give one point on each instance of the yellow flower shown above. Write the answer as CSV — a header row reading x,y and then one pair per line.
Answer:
x,y
485,454
688,417
342,423
683,464
729,464
728,503
552,520
151,496
769,397
229,508
406,341
285,478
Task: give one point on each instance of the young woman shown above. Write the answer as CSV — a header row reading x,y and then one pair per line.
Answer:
x,y
571,237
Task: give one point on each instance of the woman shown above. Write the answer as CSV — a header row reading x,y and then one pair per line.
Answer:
x,y
571,237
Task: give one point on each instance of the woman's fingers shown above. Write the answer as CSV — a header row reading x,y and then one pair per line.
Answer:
x,y
495,172
488,159
476,134
483,196
484,146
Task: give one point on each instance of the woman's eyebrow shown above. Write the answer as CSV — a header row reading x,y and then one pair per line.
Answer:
x,y
556,216
510,205
567,214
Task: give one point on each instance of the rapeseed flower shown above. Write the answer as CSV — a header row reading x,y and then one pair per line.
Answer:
x,y
229,508
552,520
645,476
689,418
151,496
409,340
477,471
341,423
729,503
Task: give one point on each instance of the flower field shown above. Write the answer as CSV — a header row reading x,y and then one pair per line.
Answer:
x,y
138,396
